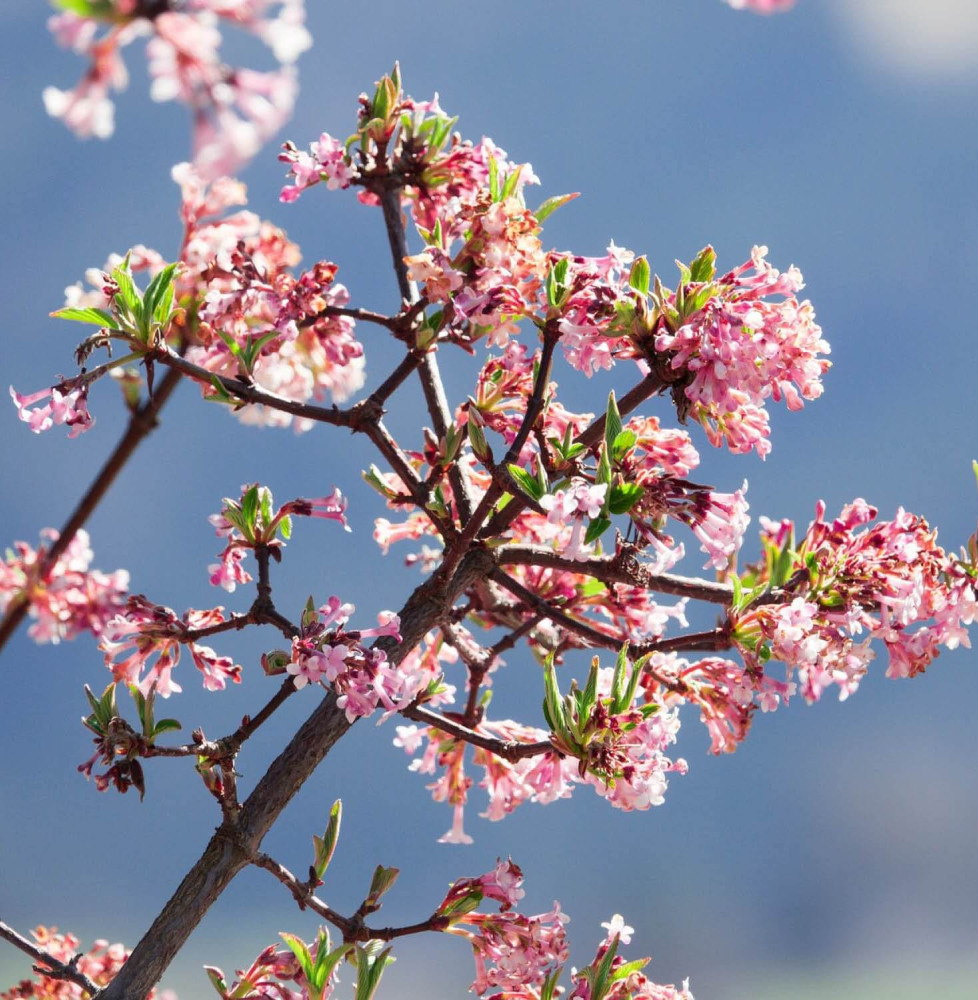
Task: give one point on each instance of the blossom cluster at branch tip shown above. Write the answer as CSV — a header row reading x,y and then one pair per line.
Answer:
x,y
70,598
252,522
142,644
235,110
888,581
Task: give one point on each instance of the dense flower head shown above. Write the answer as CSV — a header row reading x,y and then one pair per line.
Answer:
x,y
855,582
736,341
100,963
364,679
297,347
70,598
66,404
514,952
413,140
276,974
235,110
145,632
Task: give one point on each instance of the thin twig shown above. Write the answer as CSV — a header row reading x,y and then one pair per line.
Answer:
x,y
623,567
589,437
141,423
510,750
53,969
431,381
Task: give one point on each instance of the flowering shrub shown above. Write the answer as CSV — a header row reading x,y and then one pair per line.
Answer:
x,y
532,525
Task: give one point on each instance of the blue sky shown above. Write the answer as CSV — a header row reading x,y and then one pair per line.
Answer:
x,y
833,853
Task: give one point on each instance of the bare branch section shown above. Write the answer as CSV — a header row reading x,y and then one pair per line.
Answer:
x,y
623,567
507,749
141,423
48,966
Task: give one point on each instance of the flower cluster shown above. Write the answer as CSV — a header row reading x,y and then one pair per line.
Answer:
x,y
145,631
70,598
734,346
235,110
600,736
889,581
409,139
274,975
100,963
252,522
66,403
364,679
514,953
611,977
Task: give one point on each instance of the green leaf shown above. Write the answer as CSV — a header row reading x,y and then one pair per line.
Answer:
x,y
285,527
381,882
550,984
370,968
101,9
166,726
509,188
493,178
640,275
622,444
622,498
217,980
596,529
298,948
528,483
326,845
553,704
704,265
249,511
157,288
97,316
590,693
128,293
612,422
553,203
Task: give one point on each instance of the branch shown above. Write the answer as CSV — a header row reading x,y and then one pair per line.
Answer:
x,y
141,423
713,640
248,392
589,437
351,928
53,968
623,567
431,383
510,750
231,850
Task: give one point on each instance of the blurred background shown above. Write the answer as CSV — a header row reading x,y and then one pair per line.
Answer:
x,y
833,854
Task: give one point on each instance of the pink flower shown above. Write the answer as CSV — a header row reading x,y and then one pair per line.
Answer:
x,y
71,598
64,406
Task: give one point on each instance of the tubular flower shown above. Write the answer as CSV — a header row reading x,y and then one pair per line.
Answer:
x,y
889,581
71,598
732,346
145,630
234,110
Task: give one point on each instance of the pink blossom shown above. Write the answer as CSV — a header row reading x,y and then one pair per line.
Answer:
x,y
742,346
71,598
64,406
